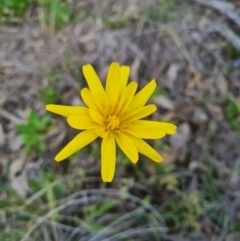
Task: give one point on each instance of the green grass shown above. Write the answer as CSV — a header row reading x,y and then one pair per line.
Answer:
x,y
80,17
33,133
159,91
49,95
54,203
230,52
232,114
55,14
12,235
166,11
12,11
85,205
113,24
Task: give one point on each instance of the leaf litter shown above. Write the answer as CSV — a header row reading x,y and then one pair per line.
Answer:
x,y
189,64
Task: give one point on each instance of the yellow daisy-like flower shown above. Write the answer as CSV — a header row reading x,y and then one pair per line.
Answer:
x,y
113,114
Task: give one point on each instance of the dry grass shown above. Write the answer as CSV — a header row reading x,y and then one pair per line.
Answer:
x,y
194,194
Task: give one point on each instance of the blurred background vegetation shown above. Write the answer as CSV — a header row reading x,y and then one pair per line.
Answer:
x,y
192,49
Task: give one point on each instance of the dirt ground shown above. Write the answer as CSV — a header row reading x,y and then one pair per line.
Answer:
x,y
192,50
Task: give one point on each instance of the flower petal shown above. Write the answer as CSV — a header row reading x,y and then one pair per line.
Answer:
x,y
113,83
88,99
141,98
127,96
97,117
67,110
82,122
94,83
145,149
151,129
138,114
77,143
124,73
126,146
102,132
108,158
145,133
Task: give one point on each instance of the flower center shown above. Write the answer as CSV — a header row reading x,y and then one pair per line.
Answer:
x,y
112,123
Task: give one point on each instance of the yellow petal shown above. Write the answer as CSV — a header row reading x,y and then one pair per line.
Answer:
x,y
124,73
82,122
77,143
145,149
145,134
151,129
94,84
126,146
127,96
97,117
89,100
113,83
141,98
169,128
67,110
138,114
102,132
108,158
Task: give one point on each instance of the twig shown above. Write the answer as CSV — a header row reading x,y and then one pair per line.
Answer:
x,y
226,32
15,120
227,9
171,33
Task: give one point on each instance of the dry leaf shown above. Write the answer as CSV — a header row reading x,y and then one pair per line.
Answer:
x,y
222,84
180,139
217,112
172,74
18,176
204,21
179,143
200,116
163,102
197,166
191,84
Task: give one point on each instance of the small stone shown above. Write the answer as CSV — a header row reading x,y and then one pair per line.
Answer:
x,y
200,116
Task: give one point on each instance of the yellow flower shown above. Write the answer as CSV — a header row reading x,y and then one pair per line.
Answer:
x,y
113,114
